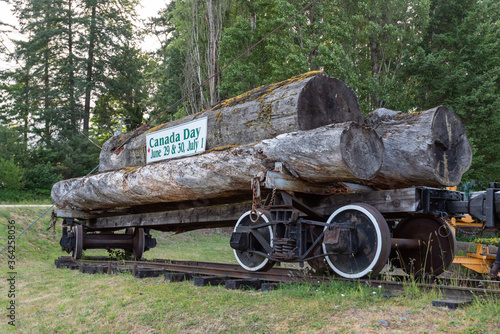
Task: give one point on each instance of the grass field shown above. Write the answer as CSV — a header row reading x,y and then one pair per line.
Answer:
x,y
50,300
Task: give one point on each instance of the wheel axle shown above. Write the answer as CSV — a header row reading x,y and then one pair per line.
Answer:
x,y
400,243
75,241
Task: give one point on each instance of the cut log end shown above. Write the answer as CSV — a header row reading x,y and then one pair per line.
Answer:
x,y
362,151
325,100
451,150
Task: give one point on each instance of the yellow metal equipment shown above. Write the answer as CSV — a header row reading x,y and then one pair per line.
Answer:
x,y
479,261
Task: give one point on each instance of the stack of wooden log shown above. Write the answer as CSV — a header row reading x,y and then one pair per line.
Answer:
x,y
312,123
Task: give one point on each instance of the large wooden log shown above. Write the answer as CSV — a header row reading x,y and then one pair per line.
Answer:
x,y
337,152
304,102
428,148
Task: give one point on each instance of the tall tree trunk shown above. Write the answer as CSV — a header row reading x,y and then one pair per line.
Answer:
x,y
90,64
215,13
71,74
46,96
26,106
193,71
374,56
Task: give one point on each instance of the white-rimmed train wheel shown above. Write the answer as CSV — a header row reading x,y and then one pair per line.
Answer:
x,y
138,243
248,258
373,239
436,249
78,250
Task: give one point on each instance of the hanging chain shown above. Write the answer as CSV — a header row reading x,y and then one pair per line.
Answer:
x,y
257,206
52,224
256,199
467,232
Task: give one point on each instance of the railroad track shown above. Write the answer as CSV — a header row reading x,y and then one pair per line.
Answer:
x,y
455,291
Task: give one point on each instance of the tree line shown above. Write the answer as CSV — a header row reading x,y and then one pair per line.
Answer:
x,y
79,75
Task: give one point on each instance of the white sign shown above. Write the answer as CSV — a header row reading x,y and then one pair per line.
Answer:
x,y
181,140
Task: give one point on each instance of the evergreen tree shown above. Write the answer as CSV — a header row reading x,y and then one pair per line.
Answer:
x,y
170,58
108,29
458,65
74,50
191,52
360,42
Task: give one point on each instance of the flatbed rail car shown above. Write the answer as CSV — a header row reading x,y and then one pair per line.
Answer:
x,y
353,233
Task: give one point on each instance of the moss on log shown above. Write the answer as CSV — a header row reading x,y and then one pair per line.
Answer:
x,y
303,102
337,152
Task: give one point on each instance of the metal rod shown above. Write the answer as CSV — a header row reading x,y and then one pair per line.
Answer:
x,y
405,243
97,241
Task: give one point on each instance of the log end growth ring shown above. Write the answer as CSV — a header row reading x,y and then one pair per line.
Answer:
x,y
362,151
326,100
451,151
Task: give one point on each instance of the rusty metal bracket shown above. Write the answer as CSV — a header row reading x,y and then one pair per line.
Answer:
x,y
282,179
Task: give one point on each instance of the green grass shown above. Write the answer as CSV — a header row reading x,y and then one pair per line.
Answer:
x,y
8,196
53,300
203,245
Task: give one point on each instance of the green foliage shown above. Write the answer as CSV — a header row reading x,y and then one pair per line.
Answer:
x,y
471,186
120,254
458,65
105,114
277,58
130,89
42,177
168,75
74,51
12,146
11,175
402,55
24,196
125,103
362,43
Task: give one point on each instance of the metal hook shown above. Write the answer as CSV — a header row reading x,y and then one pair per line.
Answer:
x,y
446,229
257,213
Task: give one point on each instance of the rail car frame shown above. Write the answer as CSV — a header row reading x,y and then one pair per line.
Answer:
x,y
353,233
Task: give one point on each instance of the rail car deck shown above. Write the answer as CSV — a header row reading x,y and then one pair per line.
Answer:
x,y
353,233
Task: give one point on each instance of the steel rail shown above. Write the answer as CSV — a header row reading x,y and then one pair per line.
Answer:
x,y
291,275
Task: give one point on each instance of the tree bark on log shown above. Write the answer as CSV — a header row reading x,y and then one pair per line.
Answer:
x,y
304,102
333,153
428,148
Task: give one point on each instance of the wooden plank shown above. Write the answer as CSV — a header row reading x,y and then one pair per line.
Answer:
x,y
397,201
178,277
209,280
451,303
386,201
68,213
176,220
244,283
